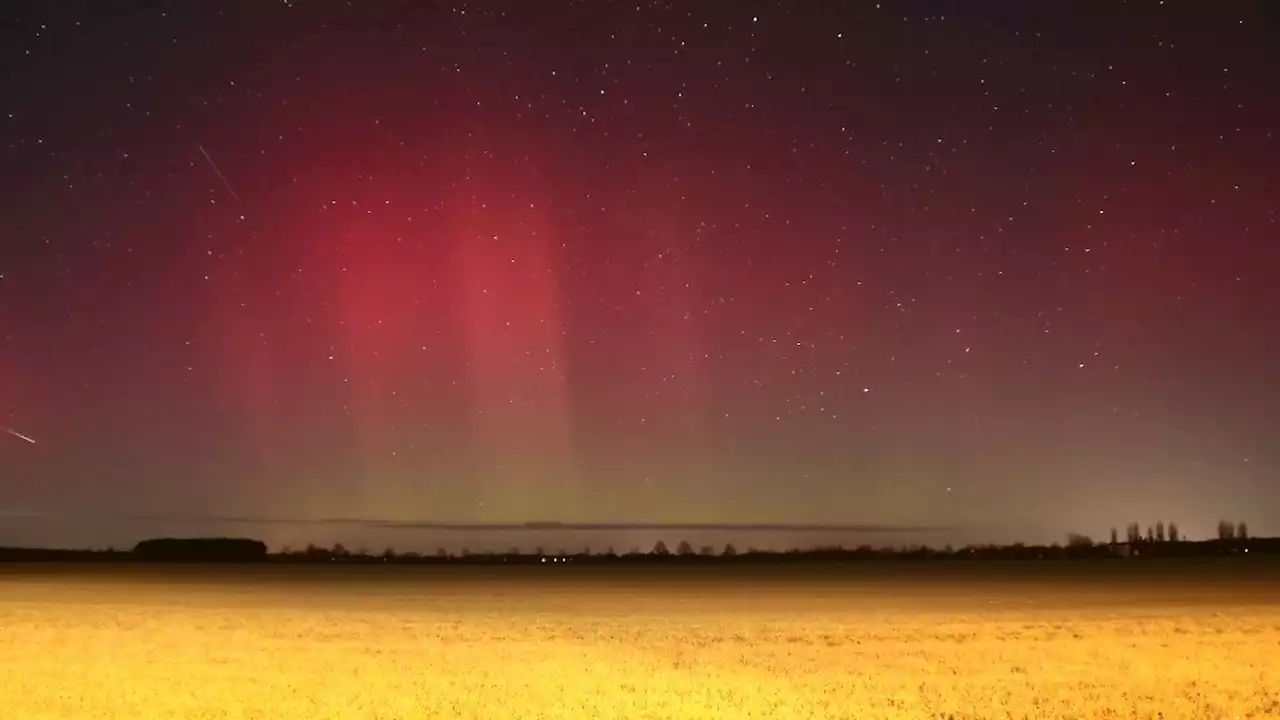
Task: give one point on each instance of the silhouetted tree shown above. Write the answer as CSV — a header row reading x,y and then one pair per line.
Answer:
x,y
1078,540
660,548
1242,530
1151,536
1225,530
339,550
441,553
1159,531
684,548
729,550
1133,533
1173,532
389,553
1114,535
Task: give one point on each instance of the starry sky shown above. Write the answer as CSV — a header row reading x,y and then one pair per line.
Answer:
x,y
987,266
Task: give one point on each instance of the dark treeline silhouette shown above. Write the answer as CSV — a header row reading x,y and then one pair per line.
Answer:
x,y
201,550
1161,541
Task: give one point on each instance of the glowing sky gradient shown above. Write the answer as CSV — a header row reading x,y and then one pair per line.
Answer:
x,y
639,262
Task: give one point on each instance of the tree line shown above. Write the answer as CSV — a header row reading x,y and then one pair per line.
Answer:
x,y
1160,540
1157,533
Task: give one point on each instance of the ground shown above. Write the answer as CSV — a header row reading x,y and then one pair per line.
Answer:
x,y
1172,640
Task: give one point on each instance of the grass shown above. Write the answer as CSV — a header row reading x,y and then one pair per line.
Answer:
x,y
357,645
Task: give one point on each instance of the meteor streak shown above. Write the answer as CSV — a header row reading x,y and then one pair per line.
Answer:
x,y
19,435
218,172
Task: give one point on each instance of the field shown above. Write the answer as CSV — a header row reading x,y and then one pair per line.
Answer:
x,y
1178,640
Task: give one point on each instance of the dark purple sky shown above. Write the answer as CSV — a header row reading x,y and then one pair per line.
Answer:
x,y
1007,265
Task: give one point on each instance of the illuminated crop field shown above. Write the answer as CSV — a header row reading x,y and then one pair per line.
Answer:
x,y
364,643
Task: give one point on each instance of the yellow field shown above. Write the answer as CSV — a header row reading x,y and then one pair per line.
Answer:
x,y
357,645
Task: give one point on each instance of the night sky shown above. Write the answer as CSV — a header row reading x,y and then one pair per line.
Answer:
x,y
983,265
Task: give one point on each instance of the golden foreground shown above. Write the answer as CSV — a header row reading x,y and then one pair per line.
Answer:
x,y
189,643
